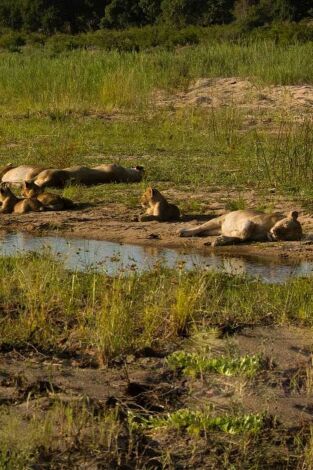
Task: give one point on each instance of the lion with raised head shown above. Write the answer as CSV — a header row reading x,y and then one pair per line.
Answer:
x,y
248,225
50,201
11,203
157,207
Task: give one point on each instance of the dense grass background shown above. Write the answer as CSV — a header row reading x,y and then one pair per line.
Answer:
x,y
90,106
81,106
102,81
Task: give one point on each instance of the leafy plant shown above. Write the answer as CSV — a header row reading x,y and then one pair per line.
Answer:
x,y
194,364
195,422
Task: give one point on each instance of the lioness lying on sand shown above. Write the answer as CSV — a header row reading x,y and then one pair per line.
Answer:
x,y
58,178
157,207
249,225
50,201
11,203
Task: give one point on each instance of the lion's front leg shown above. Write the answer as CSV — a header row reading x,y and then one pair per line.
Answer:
x,y
224,240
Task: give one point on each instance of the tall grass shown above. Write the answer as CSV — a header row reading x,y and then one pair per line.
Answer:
x,y
187,148
80,80
61,102
26,440
45,305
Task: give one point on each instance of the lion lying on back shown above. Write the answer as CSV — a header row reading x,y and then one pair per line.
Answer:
x,y
58,178
249,225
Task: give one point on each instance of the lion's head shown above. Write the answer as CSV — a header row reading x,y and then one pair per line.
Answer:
x,y
150,196
288,228
30,189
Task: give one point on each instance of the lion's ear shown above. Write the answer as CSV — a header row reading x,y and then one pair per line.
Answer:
x,y
150,190
294,215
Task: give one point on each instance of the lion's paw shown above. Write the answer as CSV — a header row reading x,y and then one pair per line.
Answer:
x,y
183,232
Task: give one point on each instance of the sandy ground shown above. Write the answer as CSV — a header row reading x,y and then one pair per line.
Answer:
x,y
114,222
239,93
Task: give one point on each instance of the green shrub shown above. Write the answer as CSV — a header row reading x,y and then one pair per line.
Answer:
x,y
12,41
63,42
284,33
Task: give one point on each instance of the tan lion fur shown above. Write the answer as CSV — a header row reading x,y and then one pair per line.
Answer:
x,y
50,201
249,225
157,207
51,177
11,203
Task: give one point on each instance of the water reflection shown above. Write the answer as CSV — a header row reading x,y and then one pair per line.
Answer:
x,y
110,257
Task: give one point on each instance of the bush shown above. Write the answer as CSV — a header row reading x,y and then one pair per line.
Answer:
x,y
201,12
63,42
12,41
122,14
284,33
136,39
252,14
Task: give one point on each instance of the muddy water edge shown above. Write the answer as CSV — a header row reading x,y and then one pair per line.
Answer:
x,y
112,258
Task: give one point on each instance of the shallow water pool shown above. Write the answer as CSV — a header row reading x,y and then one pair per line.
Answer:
x,y
110,257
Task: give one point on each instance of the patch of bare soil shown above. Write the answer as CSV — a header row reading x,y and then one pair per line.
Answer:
x,y
115,222
31,382
239,93
284,388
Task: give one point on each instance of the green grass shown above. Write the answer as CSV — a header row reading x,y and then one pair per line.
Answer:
x,y
25,440
188,150
70,433
44,305
37,81
51,117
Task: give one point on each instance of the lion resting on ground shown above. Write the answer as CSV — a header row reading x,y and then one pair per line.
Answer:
x,y
17,175
11,203
249,225
50,201
58,178
157,207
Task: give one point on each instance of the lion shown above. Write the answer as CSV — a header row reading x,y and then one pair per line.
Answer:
x,y
11,203
15,175
50,201
249,225
157,207
58,178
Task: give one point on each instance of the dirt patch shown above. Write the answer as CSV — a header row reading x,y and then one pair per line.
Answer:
x,y
31,384
236,92
283,388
